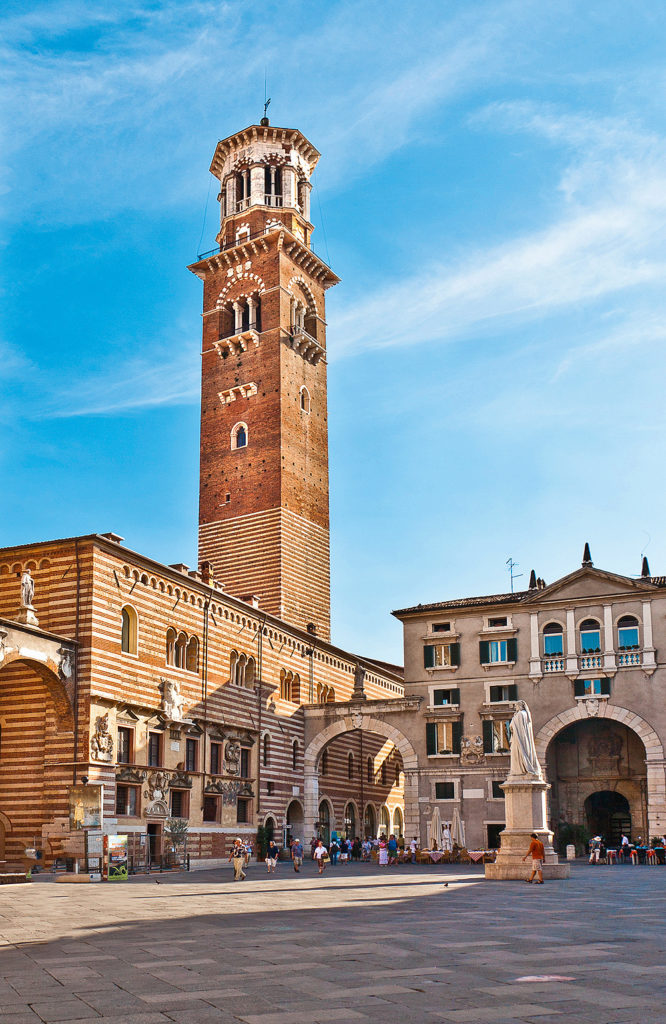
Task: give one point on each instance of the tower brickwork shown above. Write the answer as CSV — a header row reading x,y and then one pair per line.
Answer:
x,y
263,510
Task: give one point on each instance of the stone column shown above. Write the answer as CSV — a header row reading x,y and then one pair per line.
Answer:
x,y
289,197
238,317
412,809
307,188
257,186
311,800
535,659
572,661
609,651
649,664
252,306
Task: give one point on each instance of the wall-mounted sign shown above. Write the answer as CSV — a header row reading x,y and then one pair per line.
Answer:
x,y
85,807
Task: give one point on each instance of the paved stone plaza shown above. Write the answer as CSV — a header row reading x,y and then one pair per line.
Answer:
x,y
360,944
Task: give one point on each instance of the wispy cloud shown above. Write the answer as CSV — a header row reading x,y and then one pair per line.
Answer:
x,y
607,240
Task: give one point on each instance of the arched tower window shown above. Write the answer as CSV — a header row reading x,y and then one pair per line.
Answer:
x,y
305,399
272,185
249,673
239,436
129,630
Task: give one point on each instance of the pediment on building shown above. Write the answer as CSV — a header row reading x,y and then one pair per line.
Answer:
x,y
588,583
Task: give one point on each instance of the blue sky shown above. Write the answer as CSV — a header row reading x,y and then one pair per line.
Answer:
x,y
492,191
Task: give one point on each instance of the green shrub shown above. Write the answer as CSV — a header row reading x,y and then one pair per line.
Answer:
x,y
576,835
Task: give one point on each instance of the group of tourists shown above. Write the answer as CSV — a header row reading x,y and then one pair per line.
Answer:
x,y
599,849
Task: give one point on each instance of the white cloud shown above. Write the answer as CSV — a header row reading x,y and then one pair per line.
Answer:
x,y
609,240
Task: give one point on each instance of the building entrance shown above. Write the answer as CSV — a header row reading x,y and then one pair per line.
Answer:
x,y
608,815
597,770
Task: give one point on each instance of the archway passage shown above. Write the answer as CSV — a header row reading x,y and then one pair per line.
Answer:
x,y
608,814
597,770
294,818
353,770
369,822
324,823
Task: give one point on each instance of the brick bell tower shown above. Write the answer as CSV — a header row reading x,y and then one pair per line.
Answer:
x,y
263,496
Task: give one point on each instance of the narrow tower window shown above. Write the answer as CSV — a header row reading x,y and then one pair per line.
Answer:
x,y
128,640
305,399
239,436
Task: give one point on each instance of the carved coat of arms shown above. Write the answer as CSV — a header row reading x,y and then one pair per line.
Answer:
x,y
101,742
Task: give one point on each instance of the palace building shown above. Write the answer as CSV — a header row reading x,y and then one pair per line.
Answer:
x,y
183,691
588,655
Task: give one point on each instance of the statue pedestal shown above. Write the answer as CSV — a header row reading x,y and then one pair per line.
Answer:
x,y
525,797
26,614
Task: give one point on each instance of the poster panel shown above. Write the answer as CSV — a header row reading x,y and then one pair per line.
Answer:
x,y
85,807
117,858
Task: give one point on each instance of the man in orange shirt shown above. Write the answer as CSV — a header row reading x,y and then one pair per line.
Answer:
x,y
537,853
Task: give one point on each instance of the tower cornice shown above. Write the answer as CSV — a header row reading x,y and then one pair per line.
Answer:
x,y
263,133
247,248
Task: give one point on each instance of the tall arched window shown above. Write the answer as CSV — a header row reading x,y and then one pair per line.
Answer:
x,y
553,643
590,636
627,632
294,755
181,645
285,685
192,655
350,766
249,673
266,755
239,436
330,694
233,664
305,399
129,630
171,646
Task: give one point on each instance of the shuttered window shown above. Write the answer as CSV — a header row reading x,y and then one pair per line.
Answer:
x,y
441,655
507,692
498,652
592,688
444,697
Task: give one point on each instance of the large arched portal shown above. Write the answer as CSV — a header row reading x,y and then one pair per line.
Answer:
x,y
37,741
598,774
354,769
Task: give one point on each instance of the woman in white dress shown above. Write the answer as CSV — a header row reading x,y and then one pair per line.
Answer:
x,y
383,852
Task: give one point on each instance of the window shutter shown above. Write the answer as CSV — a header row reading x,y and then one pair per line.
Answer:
x,y
487,736
456,736
512,649
455,696
605,687
495,693
513,691
428,656
484,652
579,688
455,654
431,738
439,696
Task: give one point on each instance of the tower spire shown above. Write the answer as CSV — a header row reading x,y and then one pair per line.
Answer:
x,y
587,557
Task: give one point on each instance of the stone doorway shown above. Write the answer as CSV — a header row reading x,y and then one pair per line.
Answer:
x,y
609,815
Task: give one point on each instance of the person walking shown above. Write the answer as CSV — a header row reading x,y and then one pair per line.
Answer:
x,y
272,855
412,850
334,852
320,855
537,852
392,848
238,854
297,854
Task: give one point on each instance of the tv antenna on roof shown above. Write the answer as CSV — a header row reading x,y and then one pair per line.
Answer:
x,y
513,575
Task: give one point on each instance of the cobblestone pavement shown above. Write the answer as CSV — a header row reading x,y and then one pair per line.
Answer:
x,y
360,944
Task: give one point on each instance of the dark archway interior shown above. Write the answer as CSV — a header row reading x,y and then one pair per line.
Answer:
x,y
608,815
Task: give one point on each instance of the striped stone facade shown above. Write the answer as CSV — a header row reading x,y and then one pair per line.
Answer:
x,y
254,716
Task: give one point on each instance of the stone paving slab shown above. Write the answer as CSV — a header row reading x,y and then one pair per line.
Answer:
x,y
363,945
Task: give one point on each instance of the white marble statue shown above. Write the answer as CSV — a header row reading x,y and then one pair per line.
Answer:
x,y
172,702
524,760
27,589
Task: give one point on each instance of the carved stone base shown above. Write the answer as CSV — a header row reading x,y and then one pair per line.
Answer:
x,y
27,616
525,799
